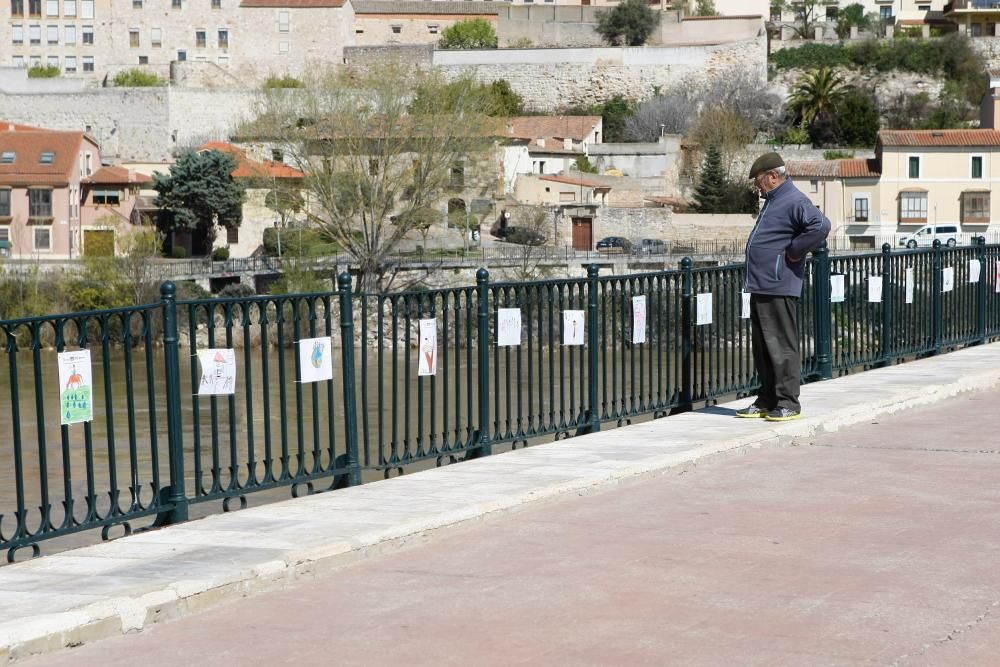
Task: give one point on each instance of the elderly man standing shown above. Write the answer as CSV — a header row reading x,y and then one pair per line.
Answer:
x,y
788,228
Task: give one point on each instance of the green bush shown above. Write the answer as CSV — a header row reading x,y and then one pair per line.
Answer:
x,y
796,135
237,291
274,82
137,78
220,254
43,72
813,55
837,154
469,34
179,252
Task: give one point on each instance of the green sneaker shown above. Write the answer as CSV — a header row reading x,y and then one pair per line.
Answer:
x,y
782,415
752,412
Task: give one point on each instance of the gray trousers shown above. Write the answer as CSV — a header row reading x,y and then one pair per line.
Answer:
x,y
774,330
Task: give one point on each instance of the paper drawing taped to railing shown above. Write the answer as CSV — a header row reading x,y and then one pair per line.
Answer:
x,y
948,279
909,284
218,372
745,309
874,289
639,319
975,270
573,327
704,308
837,288
427,364
996,279
315,359
76,393
508,327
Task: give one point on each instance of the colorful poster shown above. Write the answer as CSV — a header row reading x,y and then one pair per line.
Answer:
x,y
909,285
837,288
427,364
76,393
874,289
573,327
745,310
218,372
948,279
704,308
639,319
315,359
508,326
975,270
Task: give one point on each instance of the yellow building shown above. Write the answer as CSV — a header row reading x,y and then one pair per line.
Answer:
x,y
917,178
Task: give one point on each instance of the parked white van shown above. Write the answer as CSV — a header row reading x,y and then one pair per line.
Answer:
x,y
924,237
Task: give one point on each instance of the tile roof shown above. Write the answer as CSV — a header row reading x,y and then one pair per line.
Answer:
x,y
939,137
292,4
545,127
852,168
17,127
423,7
579,179
247,168
117,176
28,146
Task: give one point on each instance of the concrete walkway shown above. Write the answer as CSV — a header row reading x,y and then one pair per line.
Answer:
x,y
861,527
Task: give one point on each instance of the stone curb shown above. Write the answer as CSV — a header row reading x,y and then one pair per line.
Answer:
x,y
32,635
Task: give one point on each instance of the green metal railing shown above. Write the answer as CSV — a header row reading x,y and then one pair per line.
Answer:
x,y
156,449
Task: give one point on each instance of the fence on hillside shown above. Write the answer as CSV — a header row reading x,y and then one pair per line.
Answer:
x,y
156,447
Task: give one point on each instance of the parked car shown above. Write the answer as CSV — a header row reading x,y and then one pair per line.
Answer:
x,y
924,237
651,247
614,245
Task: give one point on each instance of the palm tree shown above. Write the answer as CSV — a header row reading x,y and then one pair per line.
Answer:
x,y
816,93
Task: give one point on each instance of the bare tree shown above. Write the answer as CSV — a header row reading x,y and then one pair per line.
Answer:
x,y
535,227
378,149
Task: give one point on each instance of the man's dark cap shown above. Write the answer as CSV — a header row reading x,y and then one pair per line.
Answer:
x,y
766,162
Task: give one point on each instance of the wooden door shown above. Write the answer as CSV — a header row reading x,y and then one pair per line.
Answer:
x,y
582,234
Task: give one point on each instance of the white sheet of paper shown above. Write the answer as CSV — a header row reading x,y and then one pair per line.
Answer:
x,y
745,308
427,351
639,319
76,387
508,327
218,372
874,289
573,327
975,270
837,288
315,359
704,302
996,282
909,285
948,279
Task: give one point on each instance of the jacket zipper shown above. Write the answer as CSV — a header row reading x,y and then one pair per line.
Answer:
x,y
746,253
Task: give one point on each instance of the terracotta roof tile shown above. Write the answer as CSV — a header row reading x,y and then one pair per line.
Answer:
x,y
247,168
575,180
852,168
939,137
532,128
28,146
117,176
443,7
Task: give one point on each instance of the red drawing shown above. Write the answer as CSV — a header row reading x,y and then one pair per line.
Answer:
x,y
75,380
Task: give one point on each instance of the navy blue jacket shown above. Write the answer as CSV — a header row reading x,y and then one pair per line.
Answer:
x,y
788,222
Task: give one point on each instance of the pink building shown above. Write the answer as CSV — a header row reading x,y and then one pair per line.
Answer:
x,y
54,191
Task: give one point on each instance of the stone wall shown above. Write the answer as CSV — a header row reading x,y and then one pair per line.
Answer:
x,y
147,124
672,228
551,79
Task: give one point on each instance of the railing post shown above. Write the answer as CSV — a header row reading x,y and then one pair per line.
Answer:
x,y
686,390
823,313
886,304
347,378
937,269
483,375
981,291
592,343
175,435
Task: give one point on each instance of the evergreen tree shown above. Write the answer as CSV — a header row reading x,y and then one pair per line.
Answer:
x,y
627,24
199,193
711,188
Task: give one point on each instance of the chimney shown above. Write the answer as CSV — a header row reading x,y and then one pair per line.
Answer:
x,y
510,128
540,142
131,175
567,144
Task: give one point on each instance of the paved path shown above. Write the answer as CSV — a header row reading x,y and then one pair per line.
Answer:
x,y
869,546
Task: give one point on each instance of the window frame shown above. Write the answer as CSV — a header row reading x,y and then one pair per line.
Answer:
x,y
87,10
16,8
903,209
69,9
984,210
87,65
49,4
5,214
47,229
134,39
909,167
200,38
972,167
50,32
223,37
867,206
69,35
17,34
86,32
37,209
69,64
108,197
